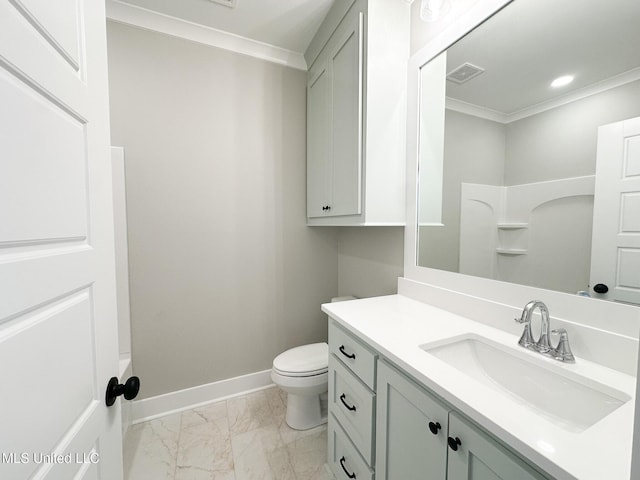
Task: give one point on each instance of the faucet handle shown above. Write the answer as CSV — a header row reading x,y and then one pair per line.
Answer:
x,y
563,351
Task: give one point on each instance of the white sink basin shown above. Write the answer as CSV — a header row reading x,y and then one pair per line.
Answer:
x,y
569,400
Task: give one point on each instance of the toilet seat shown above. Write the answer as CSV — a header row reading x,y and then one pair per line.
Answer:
x,y
300,374
305,361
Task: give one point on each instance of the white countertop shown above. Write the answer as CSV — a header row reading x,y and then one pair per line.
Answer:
x,y
396,326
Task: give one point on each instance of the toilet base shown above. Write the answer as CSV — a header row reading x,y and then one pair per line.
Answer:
x,y
304,411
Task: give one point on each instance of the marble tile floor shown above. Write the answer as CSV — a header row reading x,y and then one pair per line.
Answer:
x,y
241,438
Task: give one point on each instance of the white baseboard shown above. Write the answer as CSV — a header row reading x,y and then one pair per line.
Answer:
x,y
168,403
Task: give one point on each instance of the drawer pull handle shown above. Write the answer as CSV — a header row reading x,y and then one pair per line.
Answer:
x,y
349,407
434,427
454,443
350,475
352,356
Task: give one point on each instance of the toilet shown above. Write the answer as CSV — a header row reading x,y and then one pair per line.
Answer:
x,y
302,373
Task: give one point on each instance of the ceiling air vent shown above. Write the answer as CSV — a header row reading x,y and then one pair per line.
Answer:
x,y
464,73
226,3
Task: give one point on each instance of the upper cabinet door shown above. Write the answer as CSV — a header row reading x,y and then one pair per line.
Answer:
x,y
477,457
334,125
318,141
345,66
411,430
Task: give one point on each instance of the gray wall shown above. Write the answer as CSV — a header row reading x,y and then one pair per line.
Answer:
x,y
370,260
224,272
561,143
474,152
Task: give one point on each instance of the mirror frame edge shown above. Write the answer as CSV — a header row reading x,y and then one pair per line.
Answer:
x,y
565,305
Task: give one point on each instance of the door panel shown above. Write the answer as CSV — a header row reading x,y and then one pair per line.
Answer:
x,y
405,447
58,337
615,253
58,23
318,142
48,184
479,458
346,122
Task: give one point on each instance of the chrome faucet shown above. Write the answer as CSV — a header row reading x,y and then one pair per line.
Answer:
x,y
542,345
562,352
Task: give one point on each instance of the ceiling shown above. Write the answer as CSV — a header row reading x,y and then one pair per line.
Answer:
x,y
288,24
531,42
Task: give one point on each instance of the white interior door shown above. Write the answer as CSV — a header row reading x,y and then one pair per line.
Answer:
x,y
58,334
615,252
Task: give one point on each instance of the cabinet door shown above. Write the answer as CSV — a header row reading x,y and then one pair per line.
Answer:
x,y
478,457
318,141
345,67
406,448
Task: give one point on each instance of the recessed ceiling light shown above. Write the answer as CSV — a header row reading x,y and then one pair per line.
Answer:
x,y
562,81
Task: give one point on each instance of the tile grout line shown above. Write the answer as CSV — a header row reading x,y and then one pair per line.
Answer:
x,y
233,456
175,463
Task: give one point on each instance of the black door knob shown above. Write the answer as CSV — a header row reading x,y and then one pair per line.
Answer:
x,y
600,288
454,443
130,389
434,427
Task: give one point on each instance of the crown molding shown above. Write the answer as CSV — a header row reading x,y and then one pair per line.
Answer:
x,y
506,118
594,89
122,12
475,110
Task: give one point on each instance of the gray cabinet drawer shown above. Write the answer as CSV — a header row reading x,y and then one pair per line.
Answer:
x,y
353,405
344,460
358,358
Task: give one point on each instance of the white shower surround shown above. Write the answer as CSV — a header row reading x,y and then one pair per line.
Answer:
x,y
504,219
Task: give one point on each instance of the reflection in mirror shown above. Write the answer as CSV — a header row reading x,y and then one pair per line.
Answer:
x,y
507,162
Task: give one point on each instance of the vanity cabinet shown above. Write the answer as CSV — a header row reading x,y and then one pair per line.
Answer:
x,y
352,406
383,424
356,95
419,437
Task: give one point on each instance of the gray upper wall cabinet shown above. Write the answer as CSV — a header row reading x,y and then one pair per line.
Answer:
x,y
356,96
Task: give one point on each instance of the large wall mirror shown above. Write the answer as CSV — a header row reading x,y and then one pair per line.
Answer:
x,y
509,139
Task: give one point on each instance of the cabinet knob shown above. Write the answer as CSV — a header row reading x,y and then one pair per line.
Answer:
x,y
600,288
454,443
326,208
434,427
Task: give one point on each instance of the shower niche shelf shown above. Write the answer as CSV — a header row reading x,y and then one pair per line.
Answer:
x,y
512,238
511,251
512,226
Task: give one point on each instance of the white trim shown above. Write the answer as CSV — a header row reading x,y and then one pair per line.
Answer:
x,y
121,12
467,22
603,86
475,110
506,118
178,401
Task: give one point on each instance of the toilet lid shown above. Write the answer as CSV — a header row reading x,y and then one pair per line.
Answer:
x,y
306,360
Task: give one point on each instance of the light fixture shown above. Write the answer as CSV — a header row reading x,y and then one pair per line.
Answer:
x,y
434,10
562,81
